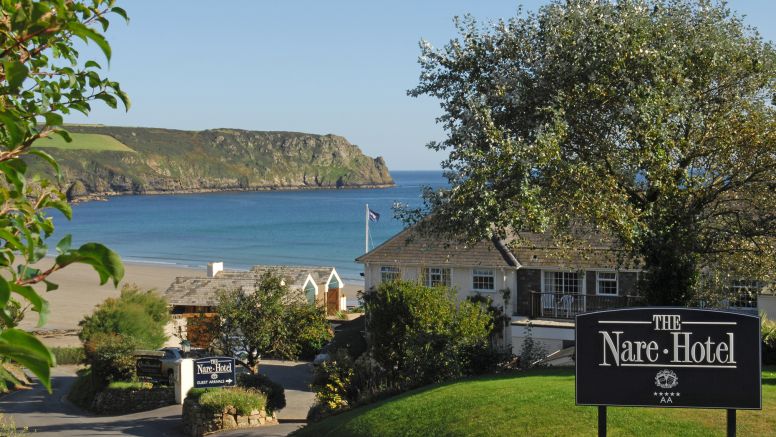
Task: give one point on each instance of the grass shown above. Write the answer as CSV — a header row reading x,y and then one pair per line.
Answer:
x,y
129,385
68,355
536,403
97,142
244,400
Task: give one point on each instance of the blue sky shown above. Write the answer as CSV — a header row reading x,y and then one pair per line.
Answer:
x,y
340,67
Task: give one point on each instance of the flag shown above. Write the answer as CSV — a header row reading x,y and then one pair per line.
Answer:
x,y
373,216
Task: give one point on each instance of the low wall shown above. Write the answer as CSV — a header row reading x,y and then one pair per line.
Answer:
x,y
198,422
123,401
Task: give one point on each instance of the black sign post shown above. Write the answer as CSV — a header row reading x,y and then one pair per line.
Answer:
x,y
214,372
668,357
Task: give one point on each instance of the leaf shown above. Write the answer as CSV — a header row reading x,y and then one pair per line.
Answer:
x,y
53,119
15,74
28,351
64,134
39,305
48,158
5,292
121,12
11,239
50,286
86,33
108,99
124,97
106,262
64,244
91,63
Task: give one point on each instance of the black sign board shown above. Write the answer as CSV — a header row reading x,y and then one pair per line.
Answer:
x,y
668,357
149,366
214,372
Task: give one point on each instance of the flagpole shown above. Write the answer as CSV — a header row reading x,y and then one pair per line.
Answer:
x,y
366,225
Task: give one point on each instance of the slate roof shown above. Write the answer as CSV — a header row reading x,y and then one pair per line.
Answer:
x,y
203,291
528,250
409,247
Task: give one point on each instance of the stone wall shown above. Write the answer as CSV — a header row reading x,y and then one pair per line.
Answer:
x,y
123,401
198,422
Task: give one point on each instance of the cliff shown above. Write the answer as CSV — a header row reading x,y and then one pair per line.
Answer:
x,y
105,160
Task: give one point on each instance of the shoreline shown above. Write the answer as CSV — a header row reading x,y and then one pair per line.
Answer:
x,y
79,293
104,196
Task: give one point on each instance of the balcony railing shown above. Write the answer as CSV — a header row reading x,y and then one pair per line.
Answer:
x,y
566,306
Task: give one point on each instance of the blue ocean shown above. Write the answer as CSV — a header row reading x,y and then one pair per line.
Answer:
x,y
306,227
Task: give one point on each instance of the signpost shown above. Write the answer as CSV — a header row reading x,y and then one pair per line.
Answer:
x,y
668,357
214,372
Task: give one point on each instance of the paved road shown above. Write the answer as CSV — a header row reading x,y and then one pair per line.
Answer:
x,y
49,415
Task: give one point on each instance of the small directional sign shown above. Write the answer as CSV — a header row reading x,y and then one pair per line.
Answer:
x,y
214,372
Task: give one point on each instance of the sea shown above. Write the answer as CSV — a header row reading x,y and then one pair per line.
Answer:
x,y
299,227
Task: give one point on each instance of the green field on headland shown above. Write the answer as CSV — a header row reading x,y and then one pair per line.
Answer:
x,y
96,142
535,403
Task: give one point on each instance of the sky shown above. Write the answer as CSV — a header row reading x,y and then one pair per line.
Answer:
x,y
339,67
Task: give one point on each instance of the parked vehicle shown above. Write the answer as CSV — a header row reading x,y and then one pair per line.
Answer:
x,y
322,356
169,361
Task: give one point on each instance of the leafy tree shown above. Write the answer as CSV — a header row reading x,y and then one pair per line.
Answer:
x,y
137,315
649,121
42,77
271,320
422,333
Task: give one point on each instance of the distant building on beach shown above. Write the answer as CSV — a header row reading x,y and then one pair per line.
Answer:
x,y
194,298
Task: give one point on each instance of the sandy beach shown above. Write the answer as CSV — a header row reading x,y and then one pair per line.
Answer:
x,y
79,292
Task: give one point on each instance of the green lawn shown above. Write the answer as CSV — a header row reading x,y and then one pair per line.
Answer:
x,y
97,142
537,403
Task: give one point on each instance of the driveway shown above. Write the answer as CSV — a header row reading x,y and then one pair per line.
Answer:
x,y
49,415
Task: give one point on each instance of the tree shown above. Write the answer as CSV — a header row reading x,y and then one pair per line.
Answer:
x,y
271,320
42,77
651,122
137,315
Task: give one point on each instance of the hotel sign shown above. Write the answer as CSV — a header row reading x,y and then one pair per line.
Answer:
x,y
668,357
214,372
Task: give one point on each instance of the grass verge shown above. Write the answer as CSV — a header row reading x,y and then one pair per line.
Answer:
x,y
98,142
536,403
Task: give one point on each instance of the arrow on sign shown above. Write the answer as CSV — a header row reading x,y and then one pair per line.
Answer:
x,y
228,381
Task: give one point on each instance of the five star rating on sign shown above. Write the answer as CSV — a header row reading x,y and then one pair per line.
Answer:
x,y
663,394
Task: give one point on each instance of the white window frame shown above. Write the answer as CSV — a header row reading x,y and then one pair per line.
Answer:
x,y
393,271
599,281
484,273
580,281
426,276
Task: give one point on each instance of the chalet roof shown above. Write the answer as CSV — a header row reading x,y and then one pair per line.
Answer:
x,y
410,247
589,251
203,291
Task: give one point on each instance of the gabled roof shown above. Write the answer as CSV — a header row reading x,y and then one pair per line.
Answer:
x,y
410,247
528,250
202,291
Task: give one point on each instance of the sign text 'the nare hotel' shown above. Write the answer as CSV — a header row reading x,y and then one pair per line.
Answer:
x,y
668,357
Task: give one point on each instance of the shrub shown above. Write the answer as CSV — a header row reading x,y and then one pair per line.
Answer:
x,y
309,329
532,352
768,331
69,355
244,400
83,390
130,385
276,396
141,315
350,336
111,358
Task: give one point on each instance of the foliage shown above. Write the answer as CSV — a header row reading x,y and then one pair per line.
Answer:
x,y
308,328
276,396
111,358
421,334
129,385
42,78
244,400
532,351
272,320
350,336
768,331
140,315
68,355
8,428
332,384
650,121
83,390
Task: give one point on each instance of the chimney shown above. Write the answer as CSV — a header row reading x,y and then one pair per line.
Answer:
x,y
214,268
